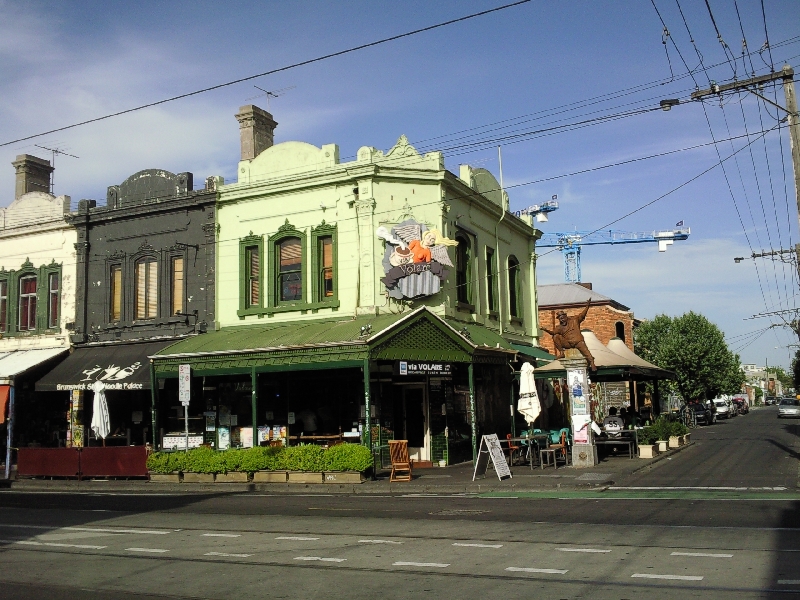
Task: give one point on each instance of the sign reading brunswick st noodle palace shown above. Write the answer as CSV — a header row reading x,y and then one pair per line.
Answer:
x,y
415,259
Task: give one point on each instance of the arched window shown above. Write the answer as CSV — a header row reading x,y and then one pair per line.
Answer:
x,y
514,300
463,270
146,292
290,270
619,330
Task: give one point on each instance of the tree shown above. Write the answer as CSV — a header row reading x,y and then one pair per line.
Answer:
x,y
695,350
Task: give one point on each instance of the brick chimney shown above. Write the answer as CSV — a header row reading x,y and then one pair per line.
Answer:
x,y
33,175
257,130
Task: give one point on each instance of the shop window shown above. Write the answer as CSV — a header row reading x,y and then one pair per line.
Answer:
x,y
619,330
178,278
115,304
514,299
27,303
290,270
53,303
325,250
146,292
491,281
463,270
3,306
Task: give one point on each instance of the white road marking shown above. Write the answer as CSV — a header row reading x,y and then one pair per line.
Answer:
x,y
788,581
226,554
706,554
320,558
378,542
532,570
156,550
57,545
478,545
582,550
678,577
402,563
95,529
681,487
226,535
297,538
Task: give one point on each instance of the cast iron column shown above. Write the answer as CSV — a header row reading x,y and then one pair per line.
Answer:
x,y
472,423
9,430
254,407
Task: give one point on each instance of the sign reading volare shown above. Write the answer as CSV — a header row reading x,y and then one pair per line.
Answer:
x,y
405,367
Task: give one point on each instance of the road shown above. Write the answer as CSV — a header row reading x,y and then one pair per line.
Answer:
x,y
719,520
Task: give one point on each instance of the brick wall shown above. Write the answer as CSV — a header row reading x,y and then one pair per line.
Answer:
x,y
601,319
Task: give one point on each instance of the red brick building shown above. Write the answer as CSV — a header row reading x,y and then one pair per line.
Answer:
x,y
607,318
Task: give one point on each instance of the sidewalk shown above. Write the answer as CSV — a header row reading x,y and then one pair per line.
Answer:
x,y
456,479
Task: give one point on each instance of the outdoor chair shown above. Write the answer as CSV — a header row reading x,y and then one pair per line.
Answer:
x,y
401,463
511,450
554,450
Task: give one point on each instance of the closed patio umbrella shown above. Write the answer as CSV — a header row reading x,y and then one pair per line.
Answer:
x,y
528,404
101,425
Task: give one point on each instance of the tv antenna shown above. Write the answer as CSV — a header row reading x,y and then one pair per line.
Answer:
x,y
271,94
54,152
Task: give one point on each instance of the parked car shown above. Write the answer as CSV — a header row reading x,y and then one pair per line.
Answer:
x,y
723,410
789,407
702,414
741,406
769,401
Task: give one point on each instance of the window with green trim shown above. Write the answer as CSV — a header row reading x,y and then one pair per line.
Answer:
x,y
325,250
27,303
53,300
514,299
3,306
324,274
491,280
463,270
252,258
290,270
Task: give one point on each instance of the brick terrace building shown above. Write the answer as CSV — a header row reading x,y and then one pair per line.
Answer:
x,y
607,318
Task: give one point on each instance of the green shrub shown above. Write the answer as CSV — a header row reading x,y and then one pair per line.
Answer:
x,y
259,459
166,462
347,457
204,460
679,428
301,458
646,436
231,460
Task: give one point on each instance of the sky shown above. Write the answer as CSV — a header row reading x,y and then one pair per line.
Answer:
x,y
563,87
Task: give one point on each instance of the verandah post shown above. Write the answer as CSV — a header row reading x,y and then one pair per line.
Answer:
x,y
153,410
254,401
472,422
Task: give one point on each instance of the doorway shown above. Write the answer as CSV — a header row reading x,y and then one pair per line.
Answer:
x,y
415,422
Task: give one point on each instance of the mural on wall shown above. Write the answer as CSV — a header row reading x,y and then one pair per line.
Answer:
x,y
414,260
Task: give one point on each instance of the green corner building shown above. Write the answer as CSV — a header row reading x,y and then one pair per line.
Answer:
x,y
383,295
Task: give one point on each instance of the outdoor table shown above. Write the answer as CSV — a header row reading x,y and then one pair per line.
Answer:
x,y
626,437
531,439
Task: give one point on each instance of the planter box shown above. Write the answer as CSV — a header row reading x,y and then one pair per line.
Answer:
x,y
648,451
675,441
233,477
269,477
302,477
198,478
165,477
686,438
662,445
343,477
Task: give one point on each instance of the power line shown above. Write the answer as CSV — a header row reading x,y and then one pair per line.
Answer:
x,y
273,71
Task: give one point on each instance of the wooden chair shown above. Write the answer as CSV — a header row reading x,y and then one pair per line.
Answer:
x,y
401,464
554,450
511,450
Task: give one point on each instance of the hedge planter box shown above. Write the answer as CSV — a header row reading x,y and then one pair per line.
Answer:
x,y
198,477
662,445
233,477
344,477
675,441
301,477
165,477
269,477
647,451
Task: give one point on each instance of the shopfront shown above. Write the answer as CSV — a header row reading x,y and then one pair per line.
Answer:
x,y
410,376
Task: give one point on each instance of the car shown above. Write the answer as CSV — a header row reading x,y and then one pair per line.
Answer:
x,y
741,406
723,410
768,401
789,407
702,413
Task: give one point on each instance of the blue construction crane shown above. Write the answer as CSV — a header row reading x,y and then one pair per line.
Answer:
x,y
570,244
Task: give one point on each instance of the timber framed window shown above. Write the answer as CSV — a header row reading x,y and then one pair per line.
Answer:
x,y
27,303
251,275
115,294
288,267
514,289
491,281
145,297
3,305
464,268
177,285
324,288
53,300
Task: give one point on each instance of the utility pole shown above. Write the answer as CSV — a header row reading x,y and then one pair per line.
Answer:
x,y
754,85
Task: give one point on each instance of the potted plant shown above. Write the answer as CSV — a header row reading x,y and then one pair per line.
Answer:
x,y
346,463
647,447
677,431
661,430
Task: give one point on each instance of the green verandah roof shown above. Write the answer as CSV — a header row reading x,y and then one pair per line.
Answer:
x,y
297,345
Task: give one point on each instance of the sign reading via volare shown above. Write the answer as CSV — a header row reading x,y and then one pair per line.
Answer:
x,y
406,367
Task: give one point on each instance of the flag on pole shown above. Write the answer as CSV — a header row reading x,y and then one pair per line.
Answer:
x,y
679,224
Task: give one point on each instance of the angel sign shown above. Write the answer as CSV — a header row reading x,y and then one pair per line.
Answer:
x,y
414,260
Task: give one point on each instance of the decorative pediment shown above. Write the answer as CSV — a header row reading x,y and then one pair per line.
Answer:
x,y
27,264
117,255
251,238
324,228
287,227
406,213
402,148
145,247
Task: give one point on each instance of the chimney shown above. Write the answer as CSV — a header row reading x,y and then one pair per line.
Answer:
x,y
33,175
257,130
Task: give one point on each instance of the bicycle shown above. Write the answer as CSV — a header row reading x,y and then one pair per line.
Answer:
x,y
688,417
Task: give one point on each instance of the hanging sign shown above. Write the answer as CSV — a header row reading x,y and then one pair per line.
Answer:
x,y
184,384
490,448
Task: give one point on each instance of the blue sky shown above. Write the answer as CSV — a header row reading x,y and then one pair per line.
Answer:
x,y
531,67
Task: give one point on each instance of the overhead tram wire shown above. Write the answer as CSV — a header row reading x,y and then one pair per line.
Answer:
x,y
277,70
766,39
725,48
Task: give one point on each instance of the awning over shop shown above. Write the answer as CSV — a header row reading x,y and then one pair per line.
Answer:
x,y
123,367
541,356
16,362
415,335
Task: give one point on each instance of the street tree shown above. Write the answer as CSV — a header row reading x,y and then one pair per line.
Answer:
x,y
695,349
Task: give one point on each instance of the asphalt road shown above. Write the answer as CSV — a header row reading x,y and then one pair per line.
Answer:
x,y
719,520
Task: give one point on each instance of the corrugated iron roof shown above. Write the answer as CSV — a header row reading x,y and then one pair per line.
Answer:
x,y
556,294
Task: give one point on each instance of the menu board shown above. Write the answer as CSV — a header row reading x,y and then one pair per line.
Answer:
x,y
490,448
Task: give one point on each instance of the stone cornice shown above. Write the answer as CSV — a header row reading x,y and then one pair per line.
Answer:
x,y
102,214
